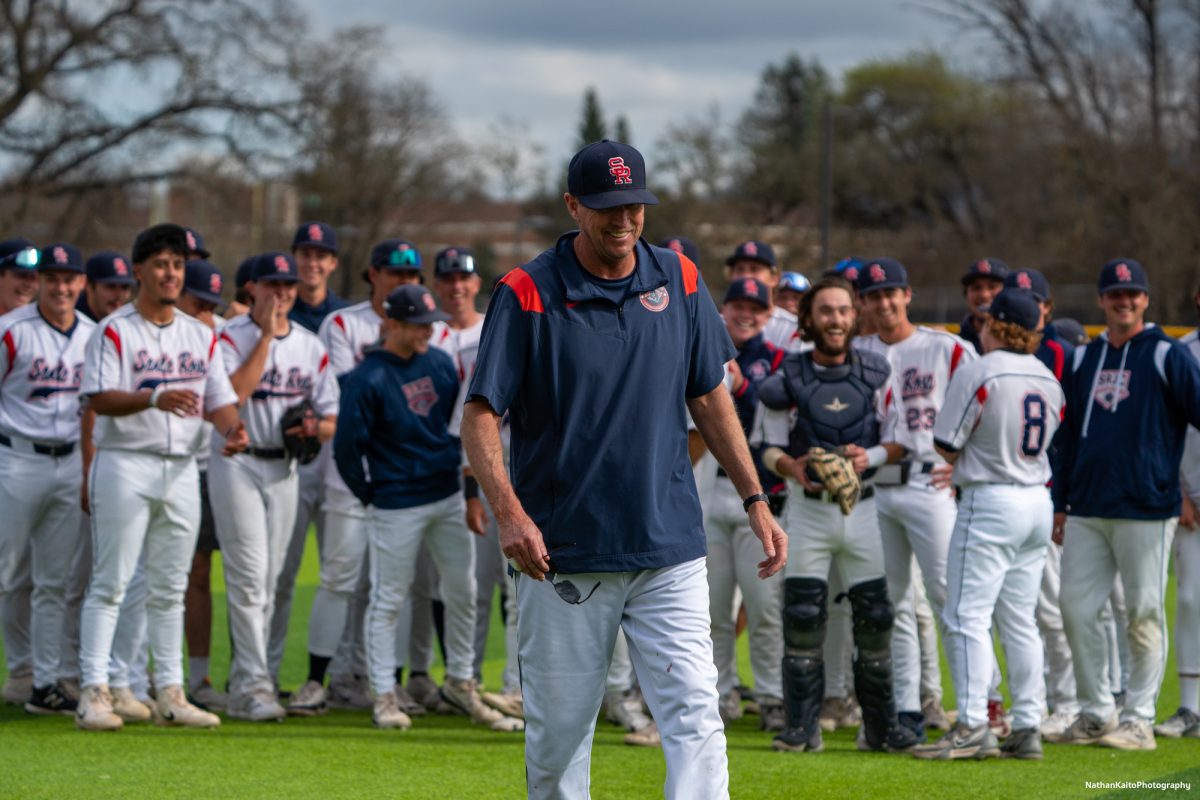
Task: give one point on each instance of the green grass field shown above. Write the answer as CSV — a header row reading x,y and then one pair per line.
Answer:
x,y
341,756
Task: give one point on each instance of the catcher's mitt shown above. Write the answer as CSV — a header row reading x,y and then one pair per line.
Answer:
x,y
302,446
837,475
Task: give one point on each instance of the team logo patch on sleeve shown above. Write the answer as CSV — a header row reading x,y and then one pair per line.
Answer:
x,y
1112,386
656,299
421,396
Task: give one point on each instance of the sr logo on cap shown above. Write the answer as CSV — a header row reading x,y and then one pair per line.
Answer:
x,y
1024,281
1124,274
984,267
281,264
60,256
214,283
191,241
120,267
315,234
877,274
621,173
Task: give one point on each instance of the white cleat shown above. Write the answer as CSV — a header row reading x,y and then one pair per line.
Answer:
x,y
128,707
95,711
1055,725
257,707
308,701
511,704
387,714
462,695
17,689
173,709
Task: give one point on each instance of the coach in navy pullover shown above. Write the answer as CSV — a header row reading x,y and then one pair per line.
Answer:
x,y
397,405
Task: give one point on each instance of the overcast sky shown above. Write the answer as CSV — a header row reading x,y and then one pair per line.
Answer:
x,y
653,62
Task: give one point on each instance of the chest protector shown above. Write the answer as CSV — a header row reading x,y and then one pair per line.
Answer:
x,y
833,406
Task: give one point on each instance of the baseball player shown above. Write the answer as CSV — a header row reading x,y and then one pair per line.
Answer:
x,y
602,520
18,286
337,616
273,364
202,285
314,246
41,365
152,376
791,289
396,412
110,284
833,397
982,281
1186,721
915,502
755,259
1131,393
732,546
995,426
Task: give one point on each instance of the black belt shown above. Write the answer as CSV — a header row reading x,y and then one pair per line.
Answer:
x,y
266,452
865,493
56,450
906,469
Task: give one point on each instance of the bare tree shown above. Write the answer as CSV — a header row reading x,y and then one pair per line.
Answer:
x,y
103,93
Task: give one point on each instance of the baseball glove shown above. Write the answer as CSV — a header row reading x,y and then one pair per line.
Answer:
x,y
302,446
837,475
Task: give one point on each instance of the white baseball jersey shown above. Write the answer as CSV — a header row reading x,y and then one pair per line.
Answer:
x,y
348,333
922,366
130,354
1001,411
781,330
297,368
463,346
41,369
1189,467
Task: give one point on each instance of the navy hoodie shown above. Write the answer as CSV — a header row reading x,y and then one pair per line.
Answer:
x,y
1121,442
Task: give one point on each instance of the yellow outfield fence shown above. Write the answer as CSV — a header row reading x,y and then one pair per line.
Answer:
x,y
1092,330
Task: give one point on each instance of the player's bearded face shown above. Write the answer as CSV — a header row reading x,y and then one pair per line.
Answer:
x,y
833,318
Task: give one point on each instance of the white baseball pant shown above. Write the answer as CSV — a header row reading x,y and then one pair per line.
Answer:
x,y
491,572
127,662
140,501
839,638
1094,551
914,520
996,560
818,532
395,536
1187,616
40,497
255,514
310,495
1060,674
565,651
421,623
77,583
927,637
733,555
343,558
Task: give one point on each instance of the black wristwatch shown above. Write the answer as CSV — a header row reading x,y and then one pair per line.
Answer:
x,y
754,498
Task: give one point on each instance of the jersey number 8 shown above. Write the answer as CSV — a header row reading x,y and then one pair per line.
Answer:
x,y
1033,432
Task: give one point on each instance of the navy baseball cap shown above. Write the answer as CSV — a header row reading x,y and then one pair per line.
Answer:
x,y
607,174
1031,280
1123,273
274,267
878,274
204,280
753,250
992,268
20,253
109,266
749,289
413,303
683,246
847,268
398,254
315,234
453,260
1017,306
195,242
793,282
245,272
1071,330
61,257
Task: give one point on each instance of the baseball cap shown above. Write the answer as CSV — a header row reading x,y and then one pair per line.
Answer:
x,y
61,257
607,174
453,260
20,253
1071,330
847,268
398,254
878,274
1017,306
109,266
195,243
413,303
992,268
315,234
1030,280
245,272
204,280
749,289
1123,273
684,246
793,282
753,250
274,267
